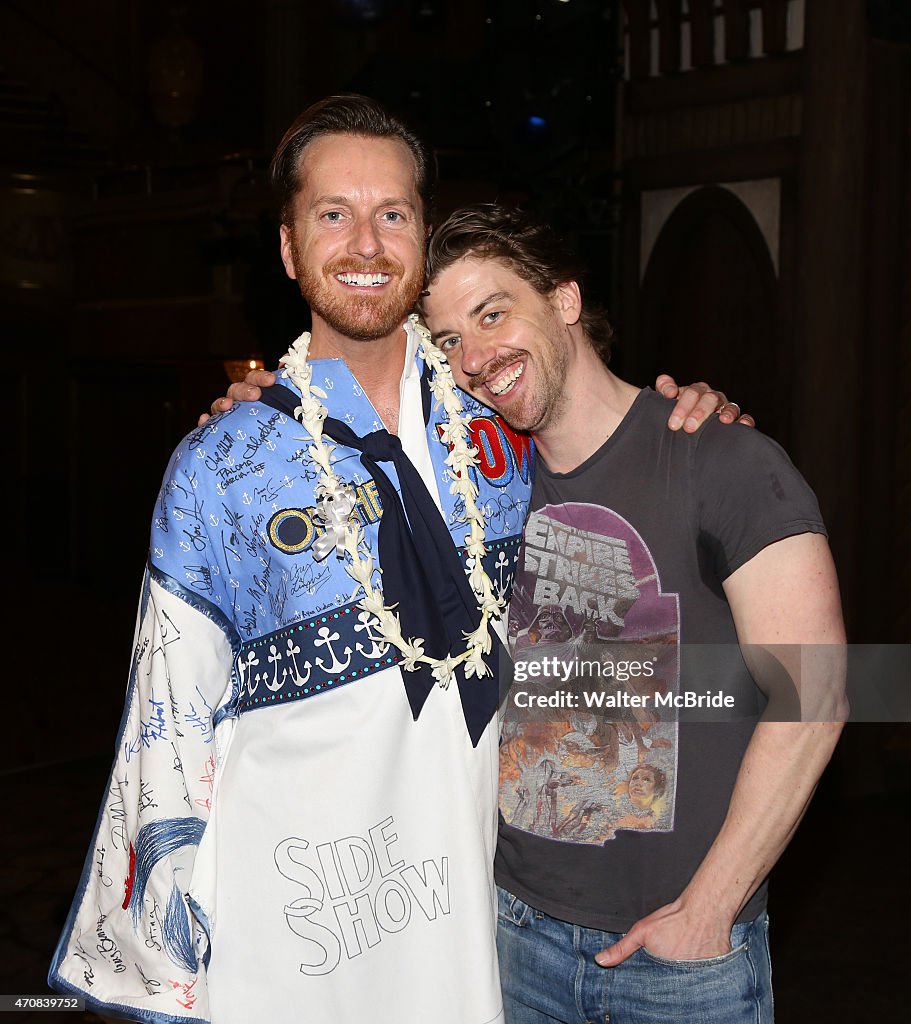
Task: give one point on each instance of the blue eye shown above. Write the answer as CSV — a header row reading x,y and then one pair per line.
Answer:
x,y
393,216
333,216
448,344
491,318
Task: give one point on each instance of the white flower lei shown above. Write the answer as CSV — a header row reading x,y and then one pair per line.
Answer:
x,y
347,534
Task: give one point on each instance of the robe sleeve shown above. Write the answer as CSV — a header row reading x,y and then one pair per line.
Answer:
x,y
135,944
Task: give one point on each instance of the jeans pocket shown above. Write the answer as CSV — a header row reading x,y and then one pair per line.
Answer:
x,y
511,909
710,961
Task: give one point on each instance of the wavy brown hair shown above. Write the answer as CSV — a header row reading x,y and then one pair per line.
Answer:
x,y
525,244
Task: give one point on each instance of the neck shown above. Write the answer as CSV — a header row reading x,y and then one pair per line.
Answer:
x,y
376,365
598,401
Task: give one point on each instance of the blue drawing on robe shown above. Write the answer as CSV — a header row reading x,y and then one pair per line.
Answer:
x,y
235,528
154,843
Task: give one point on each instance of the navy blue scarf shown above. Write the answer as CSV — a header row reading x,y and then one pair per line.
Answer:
x,y
423,574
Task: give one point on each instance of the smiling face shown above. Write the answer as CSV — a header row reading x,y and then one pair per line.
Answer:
x,y
507,344
356,245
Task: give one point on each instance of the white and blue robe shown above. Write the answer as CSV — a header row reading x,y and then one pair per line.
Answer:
x,y
281,841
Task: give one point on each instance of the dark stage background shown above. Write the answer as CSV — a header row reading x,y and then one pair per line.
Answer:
x,y
738,174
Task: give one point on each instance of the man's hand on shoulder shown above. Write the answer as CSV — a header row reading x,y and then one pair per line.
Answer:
x,y
696,402
674,932
247,390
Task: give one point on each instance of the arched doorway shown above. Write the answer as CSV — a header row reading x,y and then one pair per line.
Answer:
x,y
709,306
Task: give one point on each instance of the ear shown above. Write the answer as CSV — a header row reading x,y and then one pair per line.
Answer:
x,y
568,300
287,247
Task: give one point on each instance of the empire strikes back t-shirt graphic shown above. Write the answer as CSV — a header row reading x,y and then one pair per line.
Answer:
x,y
595,755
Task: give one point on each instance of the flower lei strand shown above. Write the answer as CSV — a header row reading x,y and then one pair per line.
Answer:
x,y
349,535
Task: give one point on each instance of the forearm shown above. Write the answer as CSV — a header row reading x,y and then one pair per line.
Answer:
x,y
786,608
777,777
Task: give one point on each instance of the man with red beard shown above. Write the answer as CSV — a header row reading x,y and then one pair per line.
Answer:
x,y
301,819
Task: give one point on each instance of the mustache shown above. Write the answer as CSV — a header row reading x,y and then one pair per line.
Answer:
x,y
379,265
483,376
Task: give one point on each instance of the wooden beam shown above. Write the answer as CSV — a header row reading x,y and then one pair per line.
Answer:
x,y
736,30
669,18
639,33
702,32
739,163
885,467
775,25
832,320
774,76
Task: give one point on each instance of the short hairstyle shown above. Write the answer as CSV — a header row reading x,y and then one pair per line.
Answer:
x,y
348,114
528,246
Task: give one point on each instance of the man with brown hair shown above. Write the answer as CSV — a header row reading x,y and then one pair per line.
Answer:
x,y
673,562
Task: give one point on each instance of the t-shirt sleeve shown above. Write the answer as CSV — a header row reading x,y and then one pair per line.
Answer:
x,y
747,494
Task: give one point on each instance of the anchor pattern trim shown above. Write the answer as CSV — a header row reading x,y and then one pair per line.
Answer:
x,y
336,647
308,658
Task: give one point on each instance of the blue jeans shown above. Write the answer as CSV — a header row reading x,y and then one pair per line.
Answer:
x,y
548,972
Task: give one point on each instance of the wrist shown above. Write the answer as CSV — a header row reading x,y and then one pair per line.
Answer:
x,y
701,901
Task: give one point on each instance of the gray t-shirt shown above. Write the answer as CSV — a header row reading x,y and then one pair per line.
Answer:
x,y
607,812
